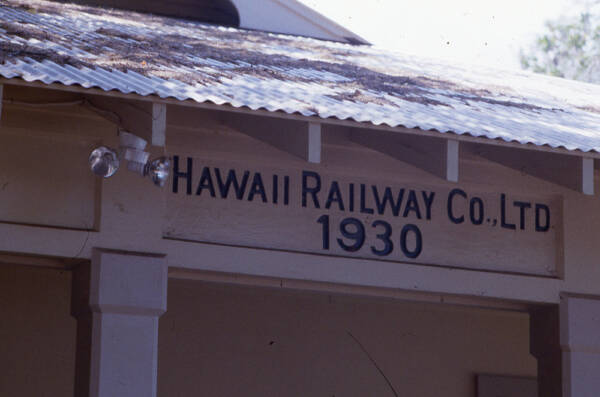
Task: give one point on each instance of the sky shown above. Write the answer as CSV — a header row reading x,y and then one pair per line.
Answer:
x,y
483,32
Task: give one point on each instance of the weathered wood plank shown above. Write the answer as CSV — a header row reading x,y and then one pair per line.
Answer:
x,y
159,124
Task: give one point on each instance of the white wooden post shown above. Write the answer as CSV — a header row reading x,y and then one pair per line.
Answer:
x,y
580,342
314,142
587,176
452,157
159,124
117,300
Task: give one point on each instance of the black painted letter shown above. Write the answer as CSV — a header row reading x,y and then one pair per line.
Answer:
x,y
335,196
476,211
257,187
238,187
539,208
522,206
178,174
503,222
206,183
451,195
428,202
310,190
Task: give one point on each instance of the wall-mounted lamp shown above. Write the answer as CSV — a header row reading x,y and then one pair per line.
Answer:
x,y
105,161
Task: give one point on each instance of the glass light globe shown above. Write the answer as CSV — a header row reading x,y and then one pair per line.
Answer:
x,y
158,170
104,162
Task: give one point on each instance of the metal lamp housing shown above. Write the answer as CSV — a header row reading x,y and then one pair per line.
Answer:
x,y
105,162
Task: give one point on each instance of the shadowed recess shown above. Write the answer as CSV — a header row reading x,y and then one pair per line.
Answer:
x,y
218,12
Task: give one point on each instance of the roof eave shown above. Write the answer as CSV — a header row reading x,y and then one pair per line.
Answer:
x,y
464,137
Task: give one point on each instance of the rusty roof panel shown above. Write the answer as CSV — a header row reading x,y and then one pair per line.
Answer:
x,y
170,58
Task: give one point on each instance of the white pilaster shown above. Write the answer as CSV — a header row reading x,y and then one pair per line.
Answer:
x,y
580,341
118,300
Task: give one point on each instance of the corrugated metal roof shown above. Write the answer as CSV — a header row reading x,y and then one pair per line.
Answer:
x,y
170,58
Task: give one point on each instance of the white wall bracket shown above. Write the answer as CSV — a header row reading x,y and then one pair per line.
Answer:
x,y
452,160
587,176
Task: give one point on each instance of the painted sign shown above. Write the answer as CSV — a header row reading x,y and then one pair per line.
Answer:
x,y
309,210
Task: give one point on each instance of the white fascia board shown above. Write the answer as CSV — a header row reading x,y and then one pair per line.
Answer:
x,y
291,17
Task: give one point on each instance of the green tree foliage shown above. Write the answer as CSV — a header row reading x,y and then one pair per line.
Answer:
x,y
569,48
